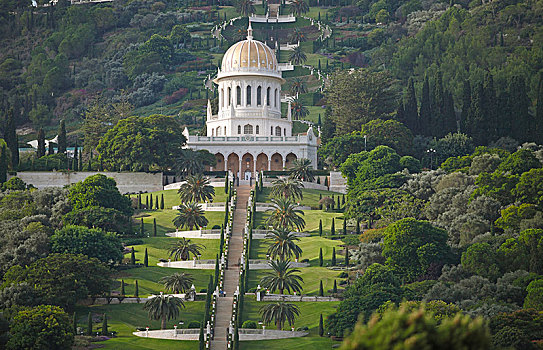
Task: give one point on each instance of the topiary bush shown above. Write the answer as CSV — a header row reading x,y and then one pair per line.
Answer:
x,y
194,324
249,324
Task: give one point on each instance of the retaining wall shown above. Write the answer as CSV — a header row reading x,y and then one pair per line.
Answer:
x,y
126,182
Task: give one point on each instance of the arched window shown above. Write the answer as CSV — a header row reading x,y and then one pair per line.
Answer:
x,y
271,131
248,95
285,132
222,97
277,131
259,96
238,96
268,96
257,129
275,103
247,129
212,132
225,131
229,96
239,129
218,132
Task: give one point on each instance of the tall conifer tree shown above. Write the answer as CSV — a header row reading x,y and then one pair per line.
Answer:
x,y
41,143
10,136
410,108
62,137
520,102
466,106
425,109
538,131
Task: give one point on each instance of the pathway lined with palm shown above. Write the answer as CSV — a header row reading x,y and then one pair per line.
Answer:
x,y
231,275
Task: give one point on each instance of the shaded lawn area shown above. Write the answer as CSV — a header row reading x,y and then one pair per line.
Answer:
x,y
311,276
164,223
309,317
171,198
125,318
311,196
310,249
311,218
148,277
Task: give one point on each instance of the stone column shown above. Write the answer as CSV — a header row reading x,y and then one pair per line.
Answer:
x,y
269,163
240,164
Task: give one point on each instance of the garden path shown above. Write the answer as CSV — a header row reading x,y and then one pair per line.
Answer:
x,y
231,275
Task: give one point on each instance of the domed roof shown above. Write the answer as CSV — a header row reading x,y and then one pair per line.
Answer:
x,y
249,55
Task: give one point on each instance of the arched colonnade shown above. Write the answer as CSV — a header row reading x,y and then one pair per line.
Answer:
x,y
245,165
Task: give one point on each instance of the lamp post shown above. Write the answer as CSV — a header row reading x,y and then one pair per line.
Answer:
x,y
431,152
365,142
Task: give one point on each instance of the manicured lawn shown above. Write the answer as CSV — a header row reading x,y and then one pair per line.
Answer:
x,y
171,197
311,218
148,277
310,196
309,317
125,318
164,220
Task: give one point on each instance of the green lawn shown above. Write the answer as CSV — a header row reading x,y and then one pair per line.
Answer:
x,y
311,218
148,277
164,220
310,196
171,197
309,317
125,318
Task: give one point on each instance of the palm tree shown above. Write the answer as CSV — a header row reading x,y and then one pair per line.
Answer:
x,y
299,7
183,248
297,87
297,36
196,189
289,188
190,215
189,162
163,307
284,214
279,313
301,169
299,111
297,56
282,278
245,7
178,282
283,244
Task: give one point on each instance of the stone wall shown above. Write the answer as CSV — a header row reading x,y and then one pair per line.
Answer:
x,y
337,182
126,182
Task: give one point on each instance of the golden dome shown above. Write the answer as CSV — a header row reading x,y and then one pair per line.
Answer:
x,y
249,55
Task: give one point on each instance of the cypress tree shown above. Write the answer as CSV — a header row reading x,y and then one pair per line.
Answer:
x,y
333,262
104,325
122,288
74,323
338,203
449,115
333,228
400,114
151,202
344,226
411,114
538,130
10,136
201,338
146,202
154,227
437,124
216,283
520,102
357,227
146,259
346,256
139,201
136,289
326,181
80,160
343,200
3,164
321,290
334,290
141,227
162,201
328,128
466,106
320,227
41,143
62,137
333,202
133,257
425,109
157,205
236,338
475,120
321,327
320,257
75,162
89,324
221,242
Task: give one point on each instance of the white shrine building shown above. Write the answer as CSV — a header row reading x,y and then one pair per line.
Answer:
x,y
249,133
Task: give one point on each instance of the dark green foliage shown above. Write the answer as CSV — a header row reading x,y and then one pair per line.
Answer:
x,y
216,280
321,326
321,289
334,290
3,163
320,226
425,109
333,227
344,225
61,137
41,143
74,323
320,257
136,289
201,338
142,231
89,324
333,261
347,256
411,115
154,227
104,325
151,202
10,136
123,292
133,256
161,202
146,259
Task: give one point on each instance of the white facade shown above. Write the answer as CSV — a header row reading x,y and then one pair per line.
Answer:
x,y
249,133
